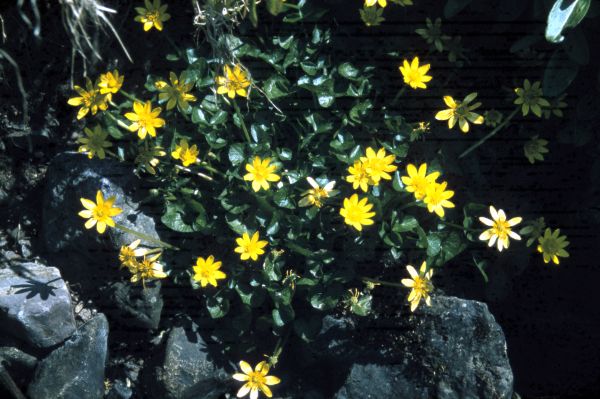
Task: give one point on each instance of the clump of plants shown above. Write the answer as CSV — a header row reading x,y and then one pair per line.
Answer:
x,y
287,176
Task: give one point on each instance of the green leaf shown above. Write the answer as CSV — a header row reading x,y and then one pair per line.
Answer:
x,y
408,223
237,153
348,71
453,7
308,328
283,315
434,245
217,306
250,295
276,87
184,219
219,118
565,14
559,74
282,198
397,184
114,132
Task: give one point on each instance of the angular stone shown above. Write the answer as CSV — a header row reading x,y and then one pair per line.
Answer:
x,y
19,364
35,304
76,369
186,370
137,306
453,349
72,176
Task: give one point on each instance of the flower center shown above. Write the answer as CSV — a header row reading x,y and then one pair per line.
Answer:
x,y
152,16
501,229
550,246
256,378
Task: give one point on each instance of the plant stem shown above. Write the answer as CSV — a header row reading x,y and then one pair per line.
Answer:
x,y
490,135
457,226
398,95
206,166
145,237
130,96
298,249
241,118
199,174
119,122
381,282
274,359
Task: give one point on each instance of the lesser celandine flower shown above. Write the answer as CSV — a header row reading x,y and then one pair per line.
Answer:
x,y
415,75
371,3
176,93
250,247
357,212
500,228
206,271
100,213
94,143
461,112
436,198
186,154
128,254
317,194
260,173
145,119
378,165
421,285
234,82
152,15
418,181
110,83
147,269
148,160
358,176
535,149
90,100
255,380
529,97
552,246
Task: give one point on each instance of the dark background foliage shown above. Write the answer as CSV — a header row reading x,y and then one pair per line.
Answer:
x,y
549,313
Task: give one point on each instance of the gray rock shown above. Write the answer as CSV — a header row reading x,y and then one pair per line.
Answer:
x,y
72,176
90,258
35,305
137,306
187,370
19,364
76,369
454,349
119,390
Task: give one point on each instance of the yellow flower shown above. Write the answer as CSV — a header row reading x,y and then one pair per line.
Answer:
x,y
177,92
99,214
145,119
148,158
356,213
260,173
436,198
110,83
250,248
317,194
153,15
206,271
255,380
529,97
188,155
358,176
418,181
378,165
94,143
128,253
552,245
415,75
147,269
421,285
234,82
371,3
461,112
500,229
89,99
